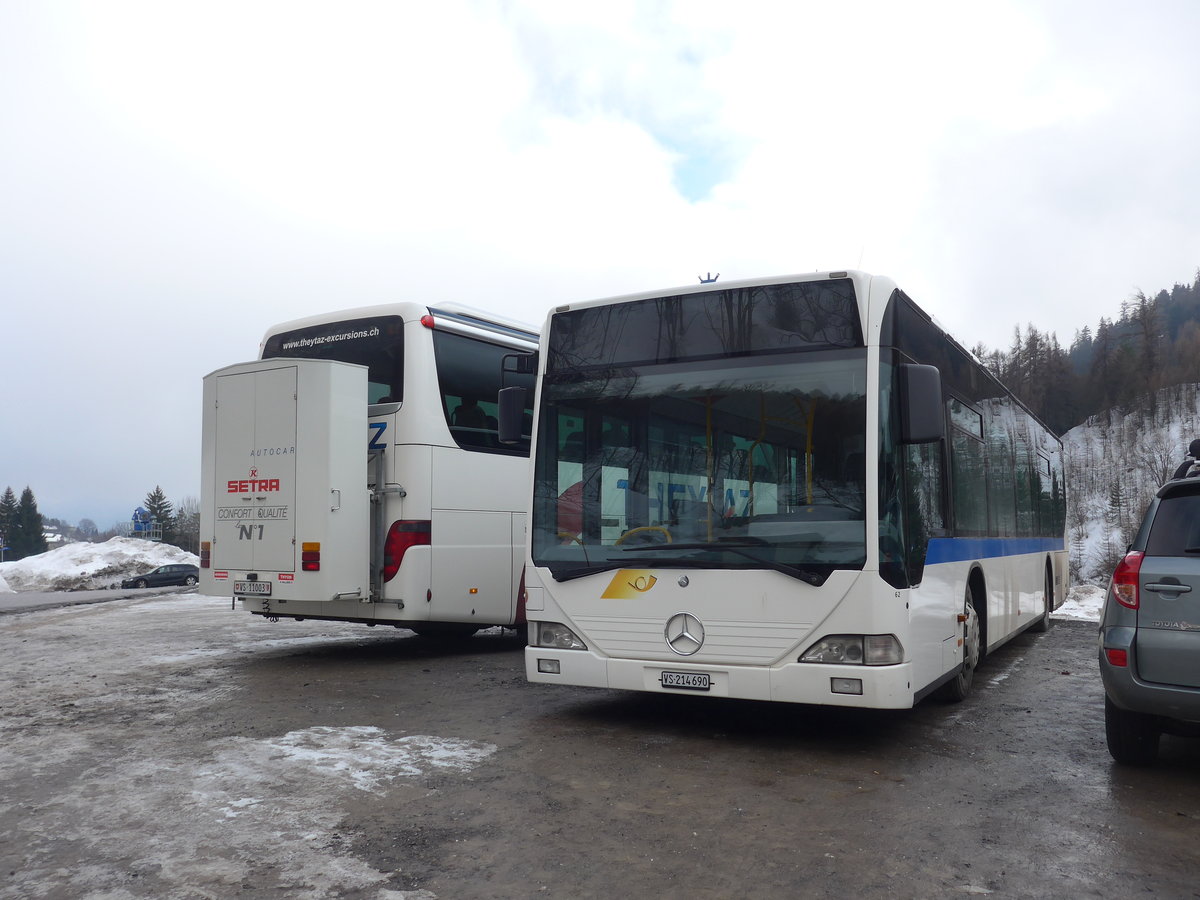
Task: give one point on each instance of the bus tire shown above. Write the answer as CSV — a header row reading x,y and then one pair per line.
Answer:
x,y
957,688
1042,625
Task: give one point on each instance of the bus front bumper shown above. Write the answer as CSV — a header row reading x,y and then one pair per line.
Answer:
x,y
868,687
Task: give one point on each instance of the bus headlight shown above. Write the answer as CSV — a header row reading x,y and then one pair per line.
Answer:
x,y
856,650
560,637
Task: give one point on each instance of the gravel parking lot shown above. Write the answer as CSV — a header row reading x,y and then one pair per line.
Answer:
x,y
166,746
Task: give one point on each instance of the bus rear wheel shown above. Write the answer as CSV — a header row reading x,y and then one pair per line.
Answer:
x,y
958,687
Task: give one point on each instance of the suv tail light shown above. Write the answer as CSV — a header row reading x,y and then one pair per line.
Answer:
x,y
1125,580
401,536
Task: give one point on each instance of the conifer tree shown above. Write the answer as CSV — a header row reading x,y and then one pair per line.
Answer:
x,y
29,539
1147,318
187,525
1101,377
8,516
163,512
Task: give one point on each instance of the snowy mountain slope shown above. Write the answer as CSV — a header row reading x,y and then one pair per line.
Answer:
x,y
1114,463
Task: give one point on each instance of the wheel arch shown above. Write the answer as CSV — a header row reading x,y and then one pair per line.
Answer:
x,y
977,583
1052,582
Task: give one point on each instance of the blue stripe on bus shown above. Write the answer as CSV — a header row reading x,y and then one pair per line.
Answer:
x,y
944,550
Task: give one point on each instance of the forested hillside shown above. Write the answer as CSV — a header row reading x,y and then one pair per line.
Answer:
x,y
1114,462
1154,344
1126,399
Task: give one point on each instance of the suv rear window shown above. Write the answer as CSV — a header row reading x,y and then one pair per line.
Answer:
x,y
1176,528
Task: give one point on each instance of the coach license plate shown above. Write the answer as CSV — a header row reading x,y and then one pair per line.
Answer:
x,y
260,588
689,681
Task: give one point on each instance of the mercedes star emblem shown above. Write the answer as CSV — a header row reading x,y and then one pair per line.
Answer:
x,y
684,634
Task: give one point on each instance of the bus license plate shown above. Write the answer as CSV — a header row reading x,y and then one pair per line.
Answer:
x,y
261,588
690,681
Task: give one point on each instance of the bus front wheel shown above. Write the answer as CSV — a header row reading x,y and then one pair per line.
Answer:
x,y
957,688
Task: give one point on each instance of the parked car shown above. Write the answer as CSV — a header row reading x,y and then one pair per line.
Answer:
x,y
163,576
1150,629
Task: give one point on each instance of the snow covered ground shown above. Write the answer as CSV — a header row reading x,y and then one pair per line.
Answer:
x,y
89,567
1083,603
80,567
129,762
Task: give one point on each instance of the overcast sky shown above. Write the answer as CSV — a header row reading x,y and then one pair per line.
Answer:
x,y
177,177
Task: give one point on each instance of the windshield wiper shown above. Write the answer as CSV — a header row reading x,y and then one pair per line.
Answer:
x,y
719,544
569,574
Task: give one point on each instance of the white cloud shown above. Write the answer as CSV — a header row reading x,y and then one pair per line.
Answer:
x,y
180,177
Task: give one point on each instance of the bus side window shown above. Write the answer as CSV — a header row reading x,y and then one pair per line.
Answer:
x,y
970,488
470,377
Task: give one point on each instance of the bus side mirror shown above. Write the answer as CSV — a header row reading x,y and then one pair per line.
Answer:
x,y
520,363
510,402
921,417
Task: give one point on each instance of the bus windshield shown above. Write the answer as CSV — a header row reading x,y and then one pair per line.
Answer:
x,y
377,343
752,461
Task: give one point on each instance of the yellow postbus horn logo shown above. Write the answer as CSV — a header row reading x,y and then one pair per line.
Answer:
x,y
627,583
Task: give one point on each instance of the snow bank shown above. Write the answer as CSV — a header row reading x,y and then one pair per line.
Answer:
x,y
364,756
88,567
1084,603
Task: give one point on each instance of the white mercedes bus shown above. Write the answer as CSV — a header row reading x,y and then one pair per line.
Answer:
x,y
795,489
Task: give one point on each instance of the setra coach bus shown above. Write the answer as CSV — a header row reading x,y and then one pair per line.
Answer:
x,y
354,473
796,489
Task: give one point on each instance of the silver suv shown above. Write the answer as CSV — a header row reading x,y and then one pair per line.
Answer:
x,y
1150,629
